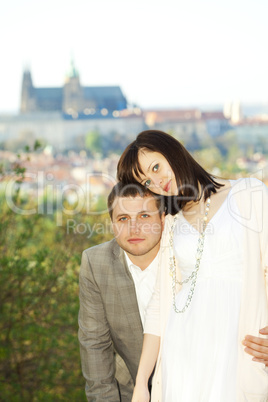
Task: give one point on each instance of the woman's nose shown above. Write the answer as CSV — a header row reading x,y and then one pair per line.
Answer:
x,y
157,182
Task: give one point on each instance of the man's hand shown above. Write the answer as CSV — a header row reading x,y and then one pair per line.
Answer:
x,y
257,347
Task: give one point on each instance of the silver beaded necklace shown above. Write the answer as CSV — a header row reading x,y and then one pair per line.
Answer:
x,y
172,262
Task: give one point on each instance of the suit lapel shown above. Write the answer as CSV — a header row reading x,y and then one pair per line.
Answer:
x,y
126,289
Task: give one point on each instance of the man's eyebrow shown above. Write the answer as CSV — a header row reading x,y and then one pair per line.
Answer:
x,y
120,215
145,211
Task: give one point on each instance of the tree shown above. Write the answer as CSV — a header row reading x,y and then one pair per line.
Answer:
x,y
39,265
93,142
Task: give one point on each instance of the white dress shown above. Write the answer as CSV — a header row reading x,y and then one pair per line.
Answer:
x,y
199,356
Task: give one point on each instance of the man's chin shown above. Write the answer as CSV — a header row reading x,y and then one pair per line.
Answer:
x,y
136,253
139,252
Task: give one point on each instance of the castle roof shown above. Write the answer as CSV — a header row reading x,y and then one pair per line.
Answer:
x,y
110,97
71,96
48,98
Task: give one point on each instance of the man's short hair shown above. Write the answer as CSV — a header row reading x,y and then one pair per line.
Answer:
x,y
133,190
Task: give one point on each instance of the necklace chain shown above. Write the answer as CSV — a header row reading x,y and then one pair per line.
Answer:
x,y
172,262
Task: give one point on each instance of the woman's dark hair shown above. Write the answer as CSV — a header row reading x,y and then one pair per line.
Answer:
x,y
192,180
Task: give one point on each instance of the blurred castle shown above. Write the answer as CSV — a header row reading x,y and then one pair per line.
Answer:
x,y
72,99
62,117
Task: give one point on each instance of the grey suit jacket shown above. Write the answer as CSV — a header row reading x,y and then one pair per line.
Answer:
x,y
109,321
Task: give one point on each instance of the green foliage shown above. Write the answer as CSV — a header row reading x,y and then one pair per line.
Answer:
x,y
37,145
220,155
103,145
93,142
39,266
227,142
209,158
25,142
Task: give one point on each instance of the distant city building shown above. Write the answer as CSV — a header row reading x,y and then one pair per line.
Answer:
x,y
233,112
73,100
188,123
61,133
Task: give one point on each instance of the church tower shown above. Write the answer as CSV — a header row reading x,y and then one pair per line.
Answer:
x,y
72,92
27,93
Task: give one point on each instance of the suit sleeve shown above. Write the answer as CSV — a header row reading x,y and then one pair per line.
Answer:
x,y
96,348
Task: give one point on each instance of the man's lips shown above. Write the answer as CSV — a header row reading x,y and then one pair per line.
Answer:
x,y
167,186
135,240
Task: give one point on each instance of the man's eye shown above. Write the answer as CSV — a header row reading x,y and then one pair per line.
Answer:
x,y
147,183
144,216
122,219
156,167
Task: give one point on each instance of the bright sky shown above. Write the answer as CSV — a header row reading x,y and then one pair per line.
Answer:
x,y
164,53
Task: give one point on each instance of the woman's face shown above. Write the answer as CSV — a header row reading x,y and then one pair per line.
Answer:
x,y
158,175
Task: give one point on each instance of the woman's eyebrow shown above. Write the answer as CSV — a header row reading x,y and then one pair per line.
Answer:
x,y
150,165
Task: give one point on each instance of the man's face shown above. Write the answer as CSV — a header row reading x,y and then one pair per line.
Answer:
x,y
137,224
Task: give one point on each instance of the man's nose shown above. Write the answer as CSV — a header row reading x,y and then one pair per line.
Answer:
x,y
134,226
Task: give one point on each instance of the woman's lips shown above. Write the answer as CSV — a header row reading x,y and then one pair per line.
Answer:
x,y
167,186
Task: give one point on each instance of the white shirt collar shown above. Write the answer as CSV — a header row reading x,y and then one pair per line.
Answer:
x,y
131,265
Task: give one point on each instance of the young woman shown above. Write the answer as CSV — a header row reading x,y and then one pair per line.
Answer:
x,y
211,289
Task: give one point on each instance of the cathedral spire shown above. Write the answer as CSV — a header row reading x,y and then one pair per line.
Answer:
x,y
27,91
72,72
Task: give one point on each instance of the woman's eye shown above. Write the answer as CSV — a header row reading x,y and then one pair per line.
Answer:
x,y
122,219
144,216
147,183
156,167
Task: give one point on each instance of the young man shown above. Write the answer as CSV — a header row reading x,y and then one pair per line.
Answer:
x,y
116,283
